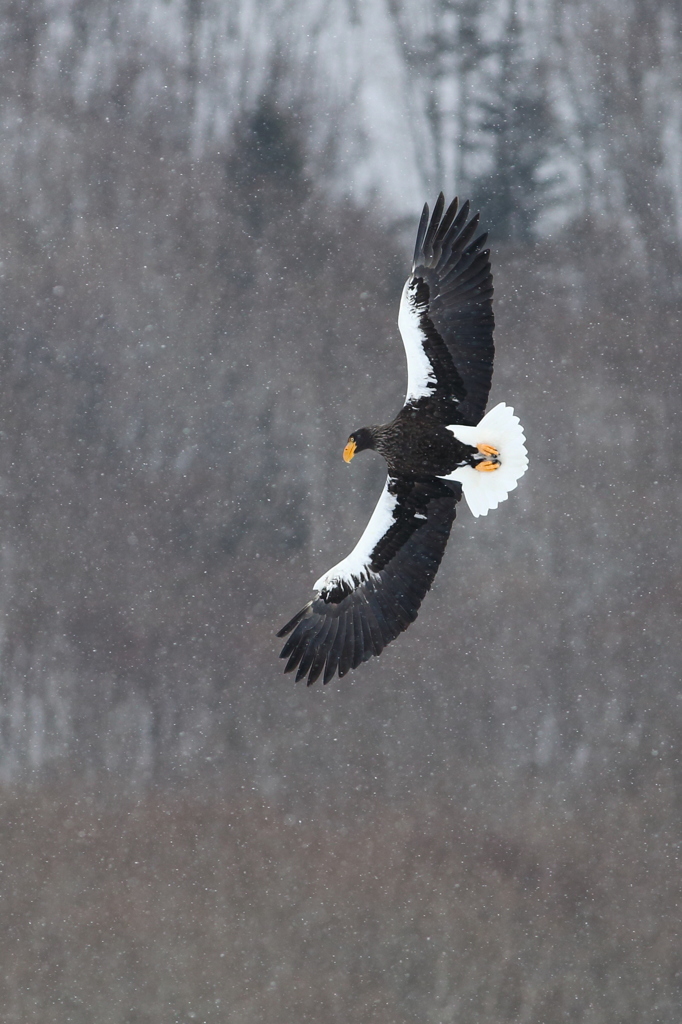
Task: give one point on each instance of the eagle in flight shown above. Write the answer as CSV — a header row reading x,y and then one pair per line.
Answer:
x,y
439,447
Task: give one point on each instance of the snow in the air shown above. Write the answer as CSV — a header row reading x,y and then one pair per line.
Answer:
x,y
207,214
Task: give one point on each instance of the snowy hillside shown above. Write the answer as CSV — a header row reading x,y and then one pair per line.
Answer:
x,y
558,104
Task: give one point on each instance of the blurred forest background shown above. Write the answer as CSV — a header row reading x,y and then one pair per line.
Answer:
x,y
205,217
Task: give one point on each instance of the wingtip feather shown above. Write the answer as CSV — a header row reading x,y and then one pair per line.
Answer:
x,y
421,232
292,622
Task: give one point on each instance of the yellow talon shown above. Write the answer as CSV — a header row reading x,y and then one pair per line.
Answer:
x,y
487,449
486,466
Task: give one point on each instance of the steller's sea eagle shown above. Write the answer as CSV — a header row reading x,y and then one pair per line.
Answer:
x,y
436,449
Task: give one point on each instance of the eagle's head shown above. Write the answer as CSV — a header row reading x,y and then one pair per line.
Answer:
x,y
359,441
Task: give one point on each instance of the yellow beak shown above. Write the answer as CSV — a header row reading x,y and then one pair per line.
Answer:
x,y
349,451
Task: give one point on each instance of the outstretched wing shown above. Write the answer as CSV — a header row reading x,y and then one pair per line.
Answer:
x,y
446,317
370,597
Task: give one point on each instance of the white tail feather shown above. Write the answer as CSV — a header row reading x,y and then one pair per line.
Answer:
x,y
501,429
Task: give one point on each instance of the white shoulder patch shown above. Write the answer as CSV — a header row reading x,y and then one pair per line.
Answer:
x,y
501,429
356,566
421,380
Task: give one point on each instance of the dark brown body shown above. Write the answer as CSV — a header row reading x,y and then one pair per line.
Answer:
x,y
416,445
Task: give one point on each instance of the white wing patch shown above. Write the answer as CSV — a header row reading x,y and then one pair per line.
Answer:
x,y
355,567
421,380
502,429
